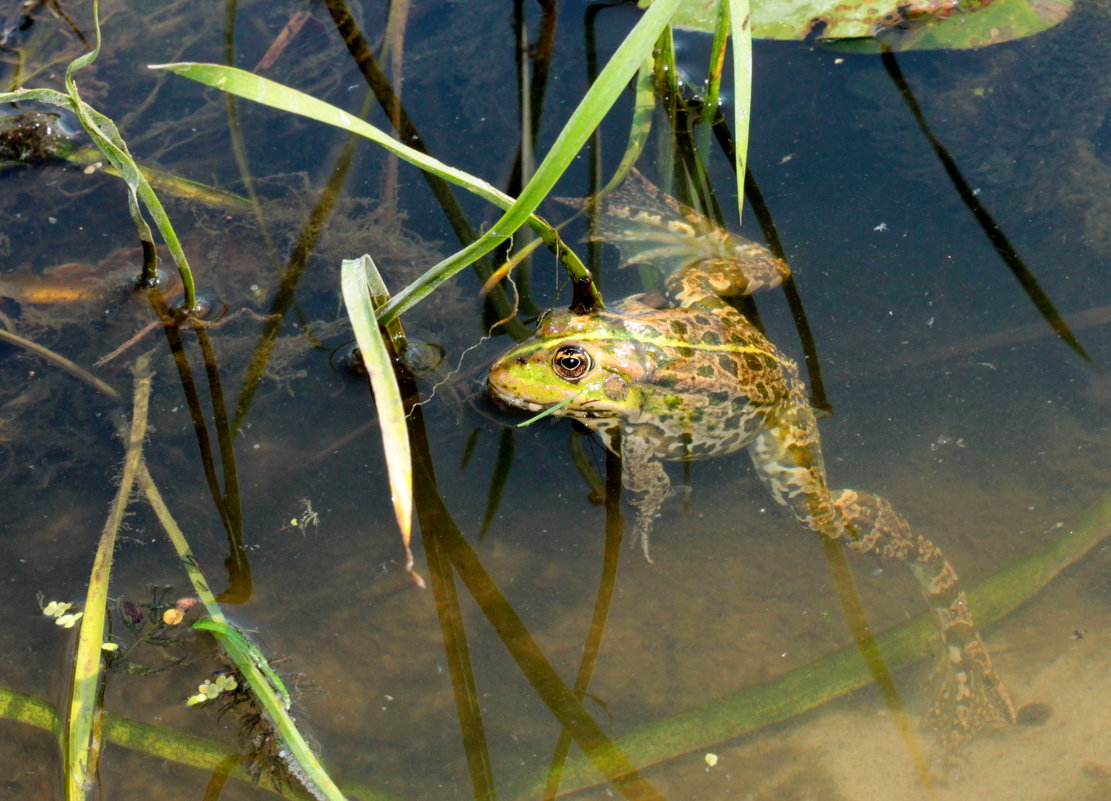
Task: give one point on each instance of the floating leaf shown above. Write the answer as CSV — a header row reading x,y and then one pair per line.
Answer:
x,y
869,25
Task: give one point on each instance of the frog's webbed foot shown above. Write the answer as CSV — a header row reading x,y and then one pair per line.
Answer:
x,y
972,694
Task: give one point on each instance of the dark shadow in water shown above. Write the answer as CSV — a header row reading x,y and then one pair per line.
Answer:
x,y
379,84
987,223
615,529
442,536
226,498
502,465
857,619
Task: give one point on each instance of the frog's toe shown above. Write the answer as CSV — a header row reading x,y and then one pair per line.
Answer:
x,y
972,698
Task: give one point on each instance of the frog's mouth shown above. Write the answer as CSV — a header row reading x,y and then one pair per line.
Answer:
x,y
505,393
506,397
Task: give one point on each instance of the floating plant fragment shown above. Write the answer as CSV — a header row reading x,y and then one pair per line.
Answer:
x,y
870,25
56,608
212,689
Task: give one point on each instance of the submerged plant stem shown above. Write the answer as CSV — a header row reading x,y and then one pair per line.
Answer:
x,y
70,367
82,745
839,673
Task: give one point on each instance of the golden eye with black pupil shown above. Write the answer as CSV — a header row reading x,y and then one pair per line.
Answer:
x,y
571,362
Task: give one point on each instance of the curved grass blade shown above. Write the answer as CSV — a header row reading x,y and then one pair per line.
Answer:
x,y
70,367
270,93
272,695
584,119
82,740
107,139
357,276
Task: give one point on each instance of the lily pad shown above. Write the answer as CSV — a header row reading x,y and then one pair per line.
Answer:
x,y
869,25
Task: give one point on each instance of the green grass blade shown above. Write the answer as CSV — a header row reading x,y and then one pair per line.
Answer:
x,y
270,93
584,119
256,671
597,101
168,183
181,546
740,24
163,743
356,279
81,739
106,137
713,80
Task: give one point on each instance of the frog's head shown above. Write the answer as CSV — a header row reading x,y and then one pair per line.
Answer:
x,y
587,364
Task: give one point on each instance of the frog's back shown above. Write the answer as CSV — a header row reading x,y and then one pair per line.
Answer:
x,y
715,382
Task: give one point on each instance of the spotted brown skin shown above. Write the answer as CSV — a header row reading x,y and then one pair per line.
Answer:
x,y
685,376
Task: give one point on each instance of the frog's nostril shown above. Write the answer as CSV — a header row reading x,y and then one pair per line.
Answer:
x,y
521,360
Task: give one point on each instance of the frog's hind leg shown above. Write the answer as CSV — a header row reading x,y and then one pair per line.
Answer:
x,y
788,458
972,694
703,283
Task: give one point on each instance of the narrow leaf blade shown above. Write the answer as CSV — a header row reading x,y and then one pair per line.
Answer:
x,y
355,280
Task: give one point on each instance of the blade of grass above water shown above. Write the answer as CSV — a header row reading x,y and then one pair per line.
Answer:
x,y
584,119
270,93
108,141
357,276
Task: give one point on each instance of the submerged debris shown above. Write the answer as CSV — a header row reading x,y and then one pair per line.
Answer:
x,y
33,137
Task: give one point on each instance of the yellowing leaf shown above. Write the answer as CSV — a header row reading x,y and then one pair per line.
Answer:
x,y
356,277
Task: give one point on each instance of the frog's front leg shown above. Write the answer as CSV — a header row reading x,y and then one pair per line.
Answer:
x,y
645,480
789,458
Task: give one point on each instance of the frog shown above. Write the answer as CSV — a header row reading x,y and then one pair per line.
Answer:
x,y
680,374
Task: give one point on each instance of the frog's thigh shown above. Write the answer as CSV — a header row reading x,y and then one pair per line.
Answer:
x,y
788,458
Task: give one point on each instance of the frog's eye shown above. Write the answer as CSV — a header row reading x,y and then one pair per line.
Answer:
x,y
571,362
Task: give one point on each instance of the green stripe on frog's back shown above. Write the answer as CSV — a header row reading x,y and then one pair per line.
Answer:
x,y
682,347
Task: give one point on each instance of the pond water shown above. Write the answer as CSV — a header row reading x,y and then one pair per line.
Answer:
x,y
950,394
